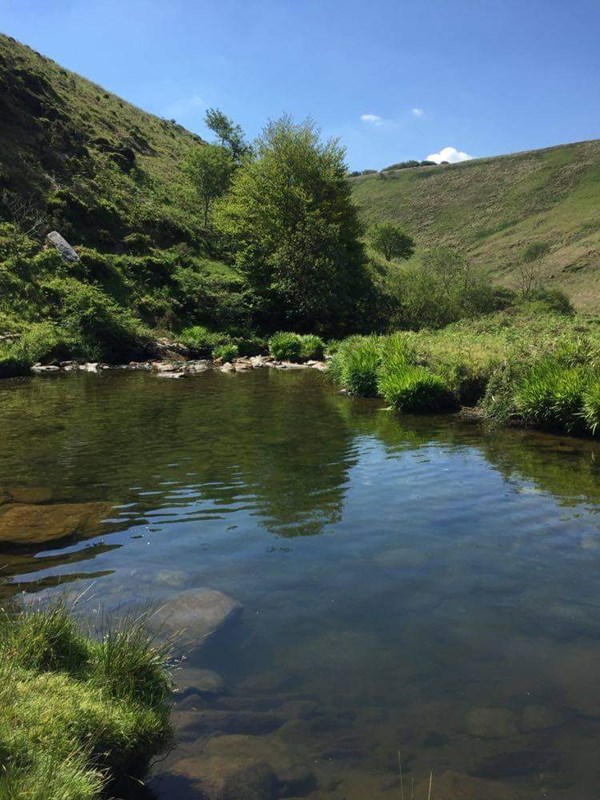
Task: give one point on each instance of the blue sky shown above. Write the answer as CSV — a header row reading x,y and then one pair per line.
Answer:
x,y
394,79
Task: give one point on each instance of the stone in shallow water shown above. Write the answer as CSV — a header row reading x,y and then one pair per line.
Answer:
x,y
538,717
26,494
579,678
202,681
456,786
491,723
28,524
197,614
213,771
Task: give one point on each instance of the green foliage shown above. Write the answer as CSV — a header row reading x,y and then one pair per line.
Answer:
x,y
414,390
535,250
210,169
226,352
201,341
294,227
77,713
591,404
286,346
550,395
313,347
356,363
391,240
229,134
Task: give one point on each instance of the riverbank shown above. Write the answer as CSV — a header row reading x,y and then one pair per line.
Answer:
x,y
79,715
528,367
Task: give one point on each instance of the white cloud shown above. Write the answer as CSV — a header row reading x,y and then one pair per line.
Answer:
x,y
373,119
418,113
450,154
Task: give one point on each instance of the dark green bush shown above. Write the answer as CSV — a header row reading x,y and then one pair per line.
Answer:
x,y
356,364
413,389
286,346
201,341
313,347
226,352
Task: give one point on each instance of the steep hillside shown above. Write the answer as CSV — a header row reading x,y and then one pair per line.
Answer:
x,y
99,167
495,208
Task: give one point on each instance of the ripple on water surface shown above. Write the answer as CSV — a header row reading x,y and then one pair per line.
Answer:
x,y
418,587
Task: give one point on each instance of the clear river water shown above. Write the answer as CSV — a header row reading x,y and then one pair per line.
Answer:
x,y
421,593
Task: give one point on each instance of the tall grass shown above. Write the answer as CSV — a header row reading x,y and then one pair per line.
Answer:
x,y
537,369
77,713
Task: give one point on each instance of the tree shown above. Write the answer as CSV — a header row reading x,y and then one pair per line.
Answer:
x,y
391,241
210,168
295,228
229,134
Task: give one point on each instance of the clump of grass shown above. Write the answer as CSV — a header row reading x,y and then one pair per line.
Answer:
x,y
286,346
550,395
313,347
591,406
226,352
356,364
414,390
77,713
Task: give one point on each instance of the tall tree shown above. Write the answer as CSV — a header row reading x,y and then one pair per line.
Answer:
x,y
228,132
210,168
295,228
391,241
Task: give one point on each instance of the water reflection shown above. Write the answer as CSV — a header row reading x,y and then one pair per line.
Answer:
x,y
416,584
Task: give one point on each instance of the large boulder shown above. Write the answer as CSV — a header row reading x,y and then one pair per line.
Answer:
x,y
67,253
28,524
197,614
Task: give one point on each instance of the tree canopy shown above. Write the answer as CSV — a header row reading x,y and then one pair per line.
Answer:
x,y
210,168
391,241
295,229
230,135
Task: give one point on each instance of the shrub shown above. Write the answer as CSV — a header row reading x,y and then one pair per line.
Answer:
x,y
356,363
201,341
550,395
226,352
313,347
591,405
414,389
286,346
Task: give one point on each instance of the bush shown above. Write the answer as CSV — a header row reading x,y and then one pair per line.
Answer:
x,y
550,395
313,347
414,389
286,346
356,363
591,405
226,352
201,341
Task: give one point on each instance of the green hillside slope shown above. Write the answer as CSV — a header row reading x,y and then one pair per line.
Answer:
x,y
99,167
495,208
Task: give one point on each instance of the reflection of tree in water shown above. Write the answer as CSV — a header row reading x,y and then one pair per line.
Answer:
x,y
269,442
564,467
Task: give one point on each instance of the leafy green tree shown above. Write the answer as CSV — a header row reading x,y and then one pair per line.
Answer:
x,y
210,168
295,228
391,241
229,134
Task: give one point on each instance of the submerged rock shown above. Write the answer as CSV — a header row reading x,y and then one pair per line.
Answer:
x,y
197,614
452,785
28,524
216,771
201,681
491,723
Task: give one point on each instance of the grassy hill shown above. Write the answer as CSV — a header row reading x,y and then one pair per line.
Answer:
x,y
100,168
494,208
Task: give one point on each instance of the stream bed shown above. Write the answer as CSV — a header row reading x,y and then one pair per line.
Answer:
x,y
421,594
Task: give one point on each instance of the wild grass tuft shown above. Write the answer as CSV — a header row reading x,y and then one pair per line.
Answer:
x,y
77,713
591,405
356,363
414,390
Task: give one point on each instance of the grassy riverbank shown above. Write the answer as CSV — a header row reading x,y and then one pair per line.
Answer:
x,y
525,366
77,714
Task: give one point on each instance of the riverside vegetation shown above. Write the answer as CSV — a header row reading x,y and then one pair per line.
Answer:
x,y
78,713
220,246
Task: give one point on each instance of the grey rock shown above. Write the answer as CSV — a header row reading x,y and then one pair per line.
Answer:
x,y
491,723
67,253
197,614
201,681
252,782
